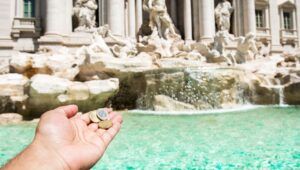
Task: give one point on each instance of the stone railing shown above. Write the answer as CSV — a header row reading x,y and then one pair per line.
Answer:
x,y
288,35
28,25
263,34
263,31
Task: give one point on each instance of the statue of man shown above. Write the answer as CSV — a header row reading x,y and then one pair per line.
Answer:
x,y
85,11
159,18
223,13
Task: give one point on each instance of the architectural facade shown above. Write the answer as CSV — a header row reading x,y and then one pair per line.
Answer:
x,y
29,25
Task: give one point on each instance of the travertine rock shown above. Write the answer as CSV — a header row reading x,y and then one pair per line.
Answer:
x,y
9,118
292,93
29,64
62,65
13,95
12,85
47,92
198,87
105,67
165,103
4,65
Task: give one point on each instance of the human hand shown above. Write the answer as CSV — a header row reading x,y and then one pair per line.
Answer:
x,y
66,140
78,142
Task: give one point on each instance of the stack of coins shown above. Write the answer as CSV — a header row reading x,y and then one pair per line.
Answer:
x,y
100,116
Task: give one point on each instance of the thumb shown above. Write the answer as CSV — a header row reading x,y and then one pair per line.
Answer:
x,y
69,111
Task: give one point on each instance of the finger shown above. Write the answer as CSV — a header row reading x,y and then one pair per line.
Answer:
x,y
116,117
100,132
109,135
93,127
86,118
69,111
109,110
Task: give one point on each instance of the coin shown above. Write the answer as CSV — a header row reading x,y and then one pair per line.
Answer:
x,y
102,114
93,116
106,124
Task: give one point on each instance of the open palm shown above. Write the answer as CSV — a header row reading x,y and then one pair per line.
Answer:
x,y
74,138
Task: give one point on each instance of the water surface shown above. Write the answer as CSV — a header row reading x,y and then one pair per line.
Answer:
x,y
264,138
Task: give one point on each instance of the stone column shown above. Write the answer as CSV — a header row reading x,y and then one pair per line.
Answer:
x,y
37,9
207,20
20,8
139,14
188,20
131,18
58,19
173,6
298,20
196,20
101,14
116,19
249,16
275,27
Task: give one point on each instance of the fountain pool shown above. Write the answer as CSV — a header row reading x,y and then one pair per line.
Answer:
x,y
262,138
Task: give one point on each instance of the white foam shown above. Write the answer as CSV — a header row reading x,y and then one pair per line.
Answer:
x,y
199,112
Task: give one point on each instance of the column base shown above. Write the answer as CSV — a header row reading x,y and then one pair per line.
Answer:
x,y
276,49
206,40
6,47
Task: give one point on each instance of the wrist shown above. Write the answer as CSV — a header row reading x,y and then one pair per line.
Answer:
x,y
45,156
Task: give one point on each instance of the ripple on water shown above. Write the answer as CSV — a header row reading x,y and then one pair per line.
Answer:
x,y
263,138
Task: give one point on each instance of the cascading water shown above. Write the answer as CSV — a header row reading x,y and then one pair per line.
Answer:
x,y
201,88
280,93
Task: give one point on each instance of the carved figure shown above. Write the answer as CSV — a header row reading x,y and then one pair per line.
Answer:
x,y
223,13
159,18
122,48
85,12
246,48
222,39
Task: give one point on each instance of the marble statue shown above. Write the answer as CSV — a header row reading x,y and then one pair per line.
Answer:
x,y
246,48
160,19
222,39
223,13
123,47
85,12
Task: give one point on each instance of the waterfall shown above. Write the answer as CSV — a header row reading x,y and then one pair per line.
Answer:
x,y
281,96
280,93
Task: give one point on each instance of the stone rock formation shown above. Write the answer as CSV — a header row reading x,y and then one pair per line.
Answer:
x,y
10,118
13,92
4,65
62,65
47,92
159,72
165,103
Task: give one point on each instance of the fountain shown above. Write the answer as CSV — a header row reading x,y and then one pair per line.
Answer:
x,y
158,71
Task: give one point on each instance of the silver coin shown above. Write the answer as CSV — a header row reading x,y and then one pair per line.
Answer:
x,y
102,114
93,116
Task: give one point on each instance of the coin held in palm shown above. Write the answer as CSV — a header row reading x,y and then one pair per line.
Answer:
x,y
102,114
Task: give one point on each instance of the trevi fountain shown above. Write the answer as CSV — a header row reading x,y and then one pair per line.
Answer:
x,y
161,73
157,71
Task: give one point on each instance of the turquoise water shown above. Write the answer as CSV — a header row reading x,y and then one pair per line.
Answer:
x,y
265,138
